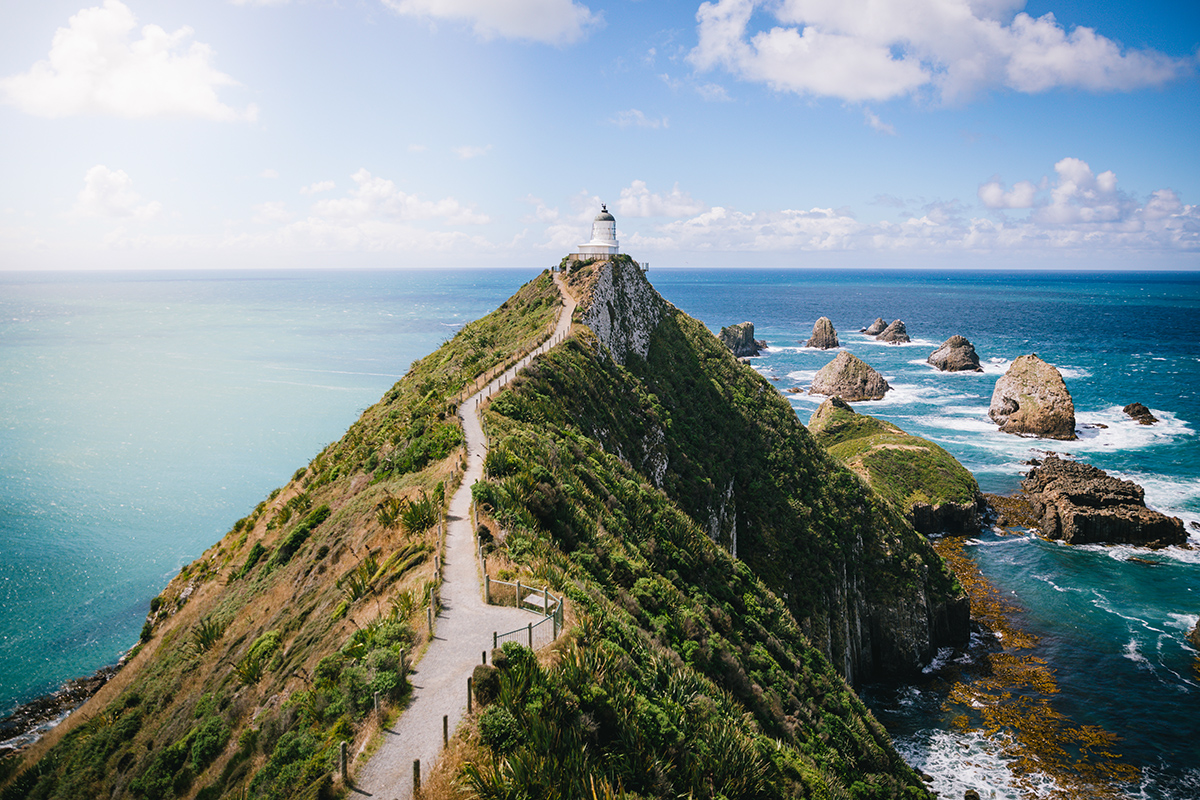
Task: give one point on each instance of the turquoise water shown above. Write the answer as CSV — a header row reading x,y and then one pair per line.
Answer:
x,y
143,414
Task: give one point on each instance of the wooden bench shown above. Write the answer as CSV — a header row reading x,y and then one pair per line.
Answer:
x,y
538,600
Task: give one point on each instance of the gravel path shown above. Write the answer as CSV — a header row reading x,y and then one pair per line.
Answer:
x,y
463,629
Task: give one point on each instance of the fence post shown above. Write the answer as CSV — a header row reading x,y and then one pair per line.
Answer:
x,y
468,695
403,666
487,589
377,702
342,761
531,636
416,776
555,623
485,658
429,616
494,643
518,592
445,730
546,602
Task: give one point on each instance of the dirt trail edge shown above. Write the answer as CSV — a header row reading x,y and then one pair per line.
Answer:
x,y
463,629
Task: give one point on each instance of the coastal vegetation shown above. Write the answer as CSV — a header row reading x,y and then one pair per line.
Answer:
x,y
713,556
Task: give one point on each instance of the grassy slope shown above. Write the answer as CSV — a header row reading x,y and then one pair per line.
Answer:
x,y
686,674
264,653
902,468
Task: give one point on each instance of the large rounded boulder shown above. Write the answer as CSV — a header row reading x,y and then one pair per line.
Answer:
x,y
850,378
824,336
1031,399
955,355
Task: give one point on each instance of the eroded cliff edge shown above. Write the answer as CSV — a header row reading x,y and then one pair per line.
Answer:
x,y
722,443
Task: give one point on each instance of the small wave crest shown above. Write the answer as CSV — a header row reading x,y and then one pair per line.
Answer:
x,y
958,761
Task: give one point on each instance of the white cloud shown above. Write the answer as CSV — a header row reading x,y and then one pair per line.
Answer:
x,y
713,92
468,151
95,66
636,119
877,124
994,195
862,50
269,174
378,199
637,201
1078,211
548,21
274,212
318,187
109,193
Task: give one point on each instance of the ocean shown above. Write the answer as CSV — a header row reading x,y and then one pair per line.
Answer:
x,y
143,413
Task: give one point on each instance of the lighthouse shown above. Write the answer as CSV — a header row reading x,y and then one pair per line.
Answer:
x,y
604,237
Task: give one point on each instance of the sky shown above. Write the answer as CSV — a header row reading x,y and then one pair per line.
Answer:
x,y
140,134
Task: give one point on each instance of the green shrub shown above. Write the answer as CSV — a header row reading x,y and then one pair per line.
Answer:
x,y
499,730
208,742
256,552
288,547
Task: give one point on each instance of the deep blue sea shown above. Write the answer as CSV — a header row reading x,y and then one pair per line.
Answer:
x,y
141,414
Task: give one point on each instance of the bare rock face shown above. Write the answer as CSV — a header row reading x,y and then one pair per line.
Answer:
x,y
1032,399
740,339
955,355
823,336
875,328
1082,504
849,378
1140,413
894,333
1194,636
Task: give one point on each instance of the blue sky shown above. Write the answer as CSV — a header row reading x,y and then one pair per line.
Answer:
x,y
811,133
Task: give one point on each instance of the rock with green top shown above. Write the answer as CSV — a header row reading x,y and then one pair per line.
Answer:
x,y
850,378
918,478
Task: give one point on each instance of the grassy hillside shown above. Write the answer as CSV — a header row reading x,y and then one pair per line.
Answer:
x,y
916,476
265,653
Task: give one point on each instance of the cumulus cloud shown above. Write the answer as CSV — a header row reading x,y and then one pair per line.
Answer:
x,y
376,198
638,201
548,21
1078,210
994,195
318,187
97,66
109,193
633,118
873,50
468,151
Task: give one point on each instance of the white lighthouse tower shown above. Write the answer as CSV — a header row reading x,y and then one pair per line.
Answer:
x,y
604,237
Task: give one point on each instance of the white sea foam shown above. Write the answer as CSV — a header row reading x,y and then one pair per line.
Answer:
x,y
913,343
940,660
957,761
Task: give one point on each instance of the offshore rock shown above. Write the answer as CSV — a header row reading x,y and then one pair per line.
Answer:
x,y
740,339
955,355
1194,636
894,333
1082,504
1032,399
917,477
875,328
823,335
849,378
1140,413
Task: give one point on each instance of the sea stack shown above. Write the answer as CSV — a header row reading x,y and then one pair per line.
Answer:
x,y
875,328
740,339
1032,399
1140,413
894,333
849,378
1082,504
955,355
823,335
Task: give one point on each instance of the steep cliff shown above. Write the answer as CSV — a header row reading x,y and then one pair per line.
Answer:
x,y
724,445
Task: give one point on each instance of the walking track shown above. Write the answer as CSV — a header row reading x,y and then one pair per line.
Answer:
x,y
464,626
